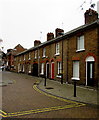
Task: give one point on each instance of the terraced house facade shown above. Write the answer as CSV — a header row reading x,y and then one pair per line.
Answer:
x,y
66,56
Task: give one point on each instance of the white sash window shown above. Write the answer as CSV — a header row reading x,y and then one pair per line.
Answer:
x,y
76,70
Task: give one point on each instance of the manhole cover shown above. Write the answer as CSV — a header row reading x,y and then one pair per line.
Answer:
x,y
49,88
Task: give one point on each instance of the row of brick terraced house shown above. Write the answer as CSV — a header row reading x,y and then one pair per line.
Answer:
x,y
67,56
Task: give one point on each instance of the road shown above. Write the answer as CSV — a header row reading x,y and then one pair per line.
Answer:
x,y
22,99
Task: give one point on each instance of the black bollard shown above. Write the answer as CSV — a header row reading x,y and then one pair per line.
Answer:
x,y
61,78
74,88
45,80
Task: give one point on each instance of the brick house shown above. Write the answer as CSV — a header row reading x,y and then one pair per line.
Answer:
x,y
10,55
67,56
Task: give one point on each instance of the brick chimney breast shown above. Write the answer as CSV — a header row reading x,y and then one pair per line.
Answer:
x,y
37,42
59,32
90,16
50,36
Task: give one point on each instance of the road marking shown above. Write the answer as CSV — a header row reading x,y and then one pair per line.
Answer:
x,y
59,98
72,104
3,112
40,110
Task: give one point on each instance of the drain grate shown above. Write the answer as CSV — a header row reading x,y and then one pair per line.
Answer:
x,y
49,88
36,83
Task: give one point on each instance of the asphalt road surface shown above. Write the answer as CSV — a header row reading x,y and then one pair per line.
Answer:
x,y
22,99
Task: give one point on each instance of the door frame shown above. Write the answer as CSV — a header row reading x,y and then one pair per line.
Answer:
x,y
51,69
88,59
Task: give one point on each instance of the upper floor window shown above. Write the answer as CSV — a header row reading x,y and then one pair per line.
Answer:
x,y
80,43
20,58
35,54
29,56
44,52
57,48
15,59
23,57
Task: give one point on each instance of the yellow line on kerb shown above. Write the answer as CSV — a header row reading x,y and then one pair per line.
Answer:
x,y
62,99
74,104
3,112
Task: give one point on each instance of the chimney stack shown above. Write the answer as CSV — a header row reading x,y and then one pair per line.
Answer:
x,y
90,16
50,36
59,32
37,42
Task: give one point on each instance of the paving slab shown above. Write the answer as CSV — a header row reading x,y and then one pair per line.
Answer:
x,y
83,94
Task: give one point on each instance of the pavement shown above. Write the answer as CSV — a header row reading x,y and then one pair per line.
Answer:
x,y
84,94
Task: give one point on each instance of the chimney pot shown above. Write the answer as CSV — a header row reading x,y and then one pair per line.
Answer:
x,y
50,36
90,16
59,32
37,42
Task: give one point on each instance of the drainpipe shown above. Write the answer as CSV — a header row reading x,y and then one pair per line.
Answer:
x,y
38,63
62,65
67,61
98,56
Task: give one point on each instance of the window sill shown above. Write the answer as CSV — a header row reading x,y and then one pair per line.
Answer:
x,y
44,57
80,50
57,54
41,73
74,78
29,71
58,76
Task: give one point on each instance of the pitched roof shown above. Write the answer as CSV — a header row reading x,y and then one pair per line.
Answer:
x,y
66,35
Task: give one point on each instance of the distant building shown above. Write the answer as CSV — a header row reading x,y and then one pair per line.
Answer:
x,y
10,56
67,56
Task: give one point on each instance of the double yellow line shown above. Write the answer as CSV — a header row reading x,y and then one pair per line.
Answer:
x,y
72,104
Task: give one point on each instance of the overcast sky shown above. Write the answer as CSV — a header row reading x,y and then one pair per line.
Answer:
x,y
23,21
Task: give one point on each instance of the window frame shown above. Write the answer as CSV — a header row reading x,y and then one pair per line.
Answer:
x,y
59,67
80,43
44,52
29,56
42,69
76,67
35,54
24,57
57,48
29,71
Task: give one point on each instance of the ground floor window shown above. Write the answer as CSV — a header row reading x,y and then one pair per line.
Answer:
x,y
75,70
23,68
59,67
29,68
42,68
19,67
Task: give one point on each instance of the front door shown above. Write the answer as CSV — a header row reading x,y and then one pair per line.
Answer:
x,y
52,70
35,69
90,73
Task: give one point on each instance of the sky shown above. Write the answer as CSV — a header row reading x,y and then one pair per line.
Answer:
x,y
23,21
